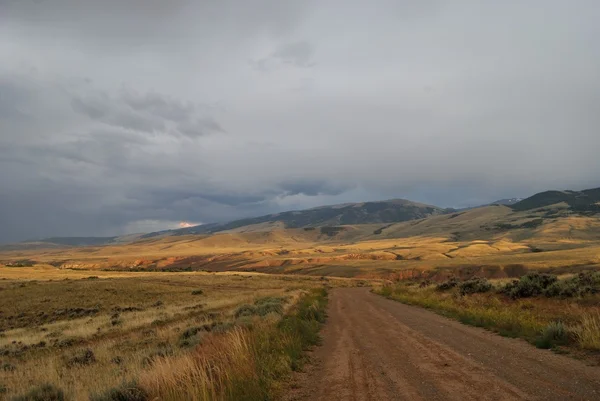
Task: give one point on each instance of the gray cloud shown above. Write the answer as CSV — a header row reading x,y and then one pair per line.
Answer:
x,y
151,113
159,105
297,54
199,127
109,118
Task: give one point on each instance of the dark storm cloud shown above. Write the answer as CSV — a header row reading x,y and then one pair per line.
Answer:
x,y
120,115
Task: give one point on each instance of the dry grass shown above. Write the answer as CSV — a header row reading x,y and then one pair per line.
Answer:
x,y
587,332
129,322
545,322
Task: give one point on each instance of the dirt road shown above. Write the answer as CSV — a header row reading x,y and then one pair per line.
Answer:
x,y
377,349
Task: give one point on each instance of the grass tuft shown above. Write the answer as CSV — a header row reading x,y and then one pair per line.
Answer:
x,y
587,333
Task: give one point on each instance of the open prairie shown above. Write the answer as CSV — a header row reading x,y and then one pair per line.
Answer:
x,y
85,334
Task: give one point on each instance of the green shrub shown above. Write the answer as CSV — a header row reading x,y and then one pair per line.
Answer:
x,y
163,350
125,392
81,357
223,327
245,310
267,305
553,334
191,337
474,285
45,392
580,285
529,285
197,292
447,285
262,307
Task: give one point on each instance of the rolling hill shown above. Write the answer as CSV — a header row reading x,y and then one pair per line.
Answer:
x,y
390,218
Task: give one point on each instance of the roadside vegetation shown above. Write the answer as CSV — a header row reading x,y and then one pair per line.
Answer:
x,y
543,309
163,336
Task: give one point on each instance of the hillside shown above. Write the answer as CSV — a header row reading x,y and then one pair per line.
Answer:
x,y
389,211
586,201
397,218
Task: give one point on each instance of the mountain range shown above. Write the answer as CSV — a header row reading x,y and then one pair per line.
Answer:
x,y
586,202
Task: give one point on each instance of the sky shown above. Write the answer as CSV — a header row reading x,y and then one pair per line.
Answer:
x,y
121,116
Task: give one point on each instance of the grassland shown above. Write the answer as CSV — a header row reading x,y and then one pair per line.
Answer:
x,y
86,333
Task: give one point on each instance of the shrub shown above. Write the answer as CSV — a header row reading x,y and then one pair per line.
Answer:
x,y
223,327
245,310
45,392
197,292
529,285
262,307
447,285
163,350
8,367
580,285
81,357
267,305
190,337
553,334
125,392
474,285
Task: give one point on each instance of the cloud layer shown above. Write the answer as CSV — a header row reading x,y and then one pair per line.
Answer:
x,y
120,116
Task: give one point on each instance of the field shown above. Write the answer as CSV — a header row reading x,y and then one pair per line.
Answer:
x,y
87,333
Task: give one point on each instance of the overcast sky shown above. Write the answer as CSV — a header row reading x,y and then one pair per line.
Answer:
x,y
119,116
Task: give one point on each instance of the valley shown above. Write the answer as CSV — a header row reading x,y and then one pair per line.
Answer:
x,y
148,316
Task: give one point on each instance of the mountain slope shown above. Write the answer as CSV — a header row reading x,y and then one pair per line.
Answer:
x,y
586,201
389,211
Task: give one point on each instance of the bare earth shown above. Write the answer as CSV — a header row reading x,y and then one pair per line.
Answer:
x,y
377,349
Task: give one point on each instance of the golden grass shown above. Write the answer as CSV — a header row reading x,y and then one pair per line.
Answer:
x,y
587,332
127,329
199,376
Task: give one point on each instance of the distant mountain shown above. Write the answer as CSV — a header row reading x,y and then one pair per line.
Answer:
x,y
389,211
586,201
